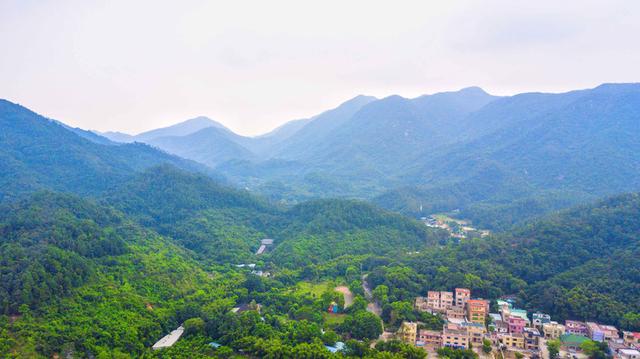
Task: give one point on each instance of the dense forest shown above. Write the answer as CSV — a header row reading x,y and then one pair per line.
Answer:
x,y
105,248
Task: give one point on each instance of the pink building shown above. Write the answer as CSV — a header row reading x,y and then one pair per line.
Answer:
x,y
576,327
516,325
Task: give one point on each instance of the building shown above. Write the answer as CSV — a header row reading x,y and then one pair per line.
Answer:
x,y
431,338
169,339
455,314
572,342
599,332
477,310
408,332
512,340
631,339
439,301
421,304
576,327
520,313
516,325
454,336
553,330
539,319
462,296
531,339
629,354
475,331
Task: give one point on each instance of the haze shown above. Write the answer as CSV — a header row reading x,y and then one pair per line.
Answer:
x,y
134,66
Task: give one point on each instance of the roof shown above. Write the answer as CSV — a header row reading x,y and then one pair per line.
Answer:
x,y
339,346
169,339
629,352
572,339
519,313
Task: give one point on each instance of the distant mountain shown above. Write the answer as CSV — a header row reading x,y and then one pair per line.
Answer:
x,y
210,146
89,135
576,145
312,133
357,148
180,129
37,153
116,136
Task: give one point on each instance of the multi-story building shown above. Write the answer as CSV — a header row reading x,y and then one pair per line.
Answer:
x,y
512,340
421,304
539,319
455,314
431,338
439,301
475,331
477,310
516,325
520,313
408,332
553,330
531,339
576,327
631,339
462,296
455,336
599,332
629,354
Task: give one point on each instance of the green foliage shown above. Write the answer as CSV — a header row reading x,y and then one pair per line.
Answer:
x,y
553,346
446,352
362,325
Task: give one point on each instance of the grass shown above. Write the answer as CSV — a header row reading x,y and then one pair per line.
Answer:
x,y
313,289
331,319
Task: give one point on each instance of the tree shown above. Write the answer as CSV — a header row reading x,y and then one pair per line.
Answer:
x,y
554,348
486,346
194,326
381,293
519,355
594,350
363,325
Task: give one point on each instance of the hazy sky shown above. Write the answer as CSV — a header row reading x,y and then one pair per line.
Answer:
x,y
252,65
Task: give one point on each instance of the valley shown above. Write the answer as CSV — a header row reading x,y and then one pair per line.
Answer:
x,y
320,238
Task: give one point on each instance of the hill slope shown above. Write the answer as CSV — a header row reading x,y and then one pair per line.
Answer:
x,y
37,153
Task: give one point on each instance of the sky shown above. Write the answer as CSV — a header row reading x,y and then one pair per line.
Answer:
x,y
132,66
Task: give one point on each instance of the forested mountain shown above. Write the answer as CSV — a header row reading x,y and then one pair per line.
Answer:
x,y
81,280
580,146
222,224
37,153
210,146
579,264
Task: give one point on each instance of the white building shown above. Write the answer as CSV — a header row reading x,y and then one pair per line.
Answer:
x,y
169,339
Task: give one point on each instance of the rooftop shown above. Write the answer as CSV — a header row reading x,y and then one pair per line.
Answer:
x,y
169,339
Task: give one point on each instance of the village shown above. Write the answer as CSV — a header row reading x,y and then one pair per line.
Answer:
x,y
510,333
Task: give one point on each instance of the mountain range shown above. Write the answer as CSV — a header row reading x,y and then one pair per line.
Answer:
x,y
488,156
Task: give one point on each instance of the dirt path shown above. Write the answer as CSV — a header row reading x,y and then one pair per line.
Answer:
x,y
348,296
373,305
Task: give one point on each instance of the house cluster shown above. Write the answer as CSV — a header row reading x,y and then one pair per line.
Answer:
x,y
465,325
469,322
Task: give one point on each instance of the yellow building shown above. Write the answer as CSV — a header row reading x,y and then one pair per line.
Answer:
x,y
408,332
553,330
455,336
512,340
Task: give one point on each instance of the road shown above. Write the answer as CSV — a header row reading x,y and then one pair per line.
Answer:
x,y
373,305
348,296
